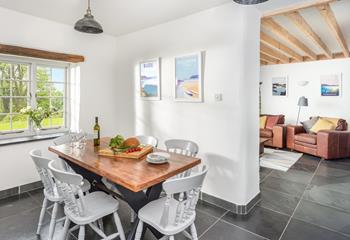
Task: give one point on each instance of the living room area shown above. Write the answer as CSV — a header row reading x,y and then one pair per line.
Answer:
x,y
304,116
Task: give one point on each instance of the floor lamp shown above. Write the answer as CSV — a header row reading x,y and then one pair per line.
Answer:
x,y
303,102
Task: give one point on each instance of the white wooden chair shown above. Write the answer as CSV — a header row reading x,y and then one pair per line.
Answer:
x,y
50,192
84,209
148,140
169,215
180,146
183,147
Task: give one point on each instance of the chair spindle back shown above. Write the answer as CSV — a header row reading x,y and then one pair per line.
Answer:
x,y
69,185
186,207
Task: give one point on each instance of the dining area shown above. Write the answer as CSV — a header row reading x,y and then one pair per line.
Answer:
x,y
160,187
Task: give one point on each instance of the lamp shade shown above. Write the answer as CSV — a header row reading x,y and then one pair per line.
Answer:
x,y
303,102
88,24
249,2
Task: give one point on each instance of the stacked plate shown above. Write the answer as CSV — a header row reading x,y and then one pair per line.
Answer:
x,y
158,157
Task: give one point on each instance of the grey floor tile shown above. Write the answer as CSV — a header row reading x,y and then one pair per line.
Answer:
x,y
299,230
37,195
326,196
337,170
225,231
260,221
307,163
210,209
293,175
278,201
323,216
21,226
16,204
264,172
336,184
284,186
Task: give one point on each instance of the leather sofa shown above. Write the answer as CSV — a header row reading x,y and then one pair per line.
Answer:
x,y
326,144
274,131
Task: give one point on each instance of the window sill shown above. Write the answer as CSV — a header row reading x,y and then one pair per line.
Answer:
x,y
33,138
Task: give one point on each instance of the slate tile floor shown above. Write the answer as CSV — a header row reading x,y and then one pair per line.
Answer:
x,y
310,201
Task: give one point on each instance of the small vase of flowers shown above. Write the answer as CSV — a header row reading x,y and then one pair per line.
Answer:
x,y
37,115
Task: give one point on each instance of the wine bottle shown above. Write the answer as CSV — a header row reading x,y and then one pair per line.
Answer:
x,y
96,133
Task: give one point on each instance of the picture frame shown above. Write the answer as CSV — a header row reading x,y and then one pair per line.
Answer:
x,y
279,86
189,77
150,79
331,85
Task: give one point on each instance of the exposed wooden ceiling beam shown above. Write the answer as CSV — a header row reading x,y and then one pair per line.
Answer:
x,y
273,53
36,53
328,15
283,33
268,59
303,26
265,38
262,62
296,8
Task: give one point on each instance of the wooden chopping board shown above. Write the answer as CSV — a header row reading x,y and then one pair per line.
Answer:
x,y
107,152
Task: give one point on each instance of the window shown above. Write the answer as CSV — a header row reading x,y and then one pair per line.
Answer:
x,y
26,82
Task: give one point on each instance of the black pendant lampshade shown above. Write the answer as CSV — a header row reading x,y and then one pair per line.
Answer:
x,y
249,2
88,24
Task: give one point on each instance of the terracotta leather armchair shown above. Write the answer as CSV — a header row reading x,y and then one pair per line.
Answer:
x,y
325,144
274,131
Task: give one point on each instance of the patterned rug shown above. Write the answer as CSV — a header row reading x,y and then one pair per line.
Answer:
x,y
278,159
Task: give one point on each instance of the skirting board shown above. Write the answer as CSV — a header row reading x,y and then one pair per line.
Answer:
x,y
238,209
20,189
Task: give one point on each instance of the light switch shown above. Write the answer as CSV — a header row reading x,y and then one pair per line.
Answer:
x,y
218,97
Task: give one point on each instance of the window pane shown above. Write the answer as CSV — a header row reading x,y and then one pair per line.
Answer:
x,y
19,122
46,123
18,104
5,122
57,90
43,102
20,71
20,88
5,70
43,74
43,89
58,119
5,105
58,75
57,104
4,88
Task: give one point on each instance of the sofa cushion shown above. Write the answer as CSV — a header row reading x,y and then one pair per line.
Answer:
x,y
263,122
322,124
271,121
306,138
342,125
309,123
266,133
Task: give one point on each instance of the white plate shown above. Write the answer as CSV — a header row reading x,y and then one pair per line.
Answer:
x,y
158,157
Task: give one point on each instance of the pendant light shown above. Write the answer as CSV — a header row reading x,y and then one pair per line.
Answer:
x,y
249,2
88,24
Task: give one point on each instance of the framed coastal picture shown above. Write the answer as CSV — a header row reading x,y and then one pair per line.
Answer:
x,y
331,85
188,78
150,79
280,86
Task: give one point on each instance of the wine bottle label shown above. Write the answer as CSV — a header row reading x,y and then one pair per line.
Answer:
x,y
95,134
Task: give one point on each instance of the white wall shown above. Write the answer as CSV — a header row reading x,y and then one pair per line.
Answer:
x,y
227,131
98,83
310,71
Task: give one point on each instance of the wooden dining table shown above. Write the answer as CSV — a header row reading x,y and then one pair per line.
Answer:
x,y
130,176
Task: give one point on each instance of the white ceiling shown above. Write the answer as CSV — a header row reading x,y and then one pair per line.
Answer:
x,y
120,17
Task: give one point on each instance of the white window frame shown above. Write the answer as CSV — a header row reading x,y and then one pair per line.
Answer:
x,y
33,63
